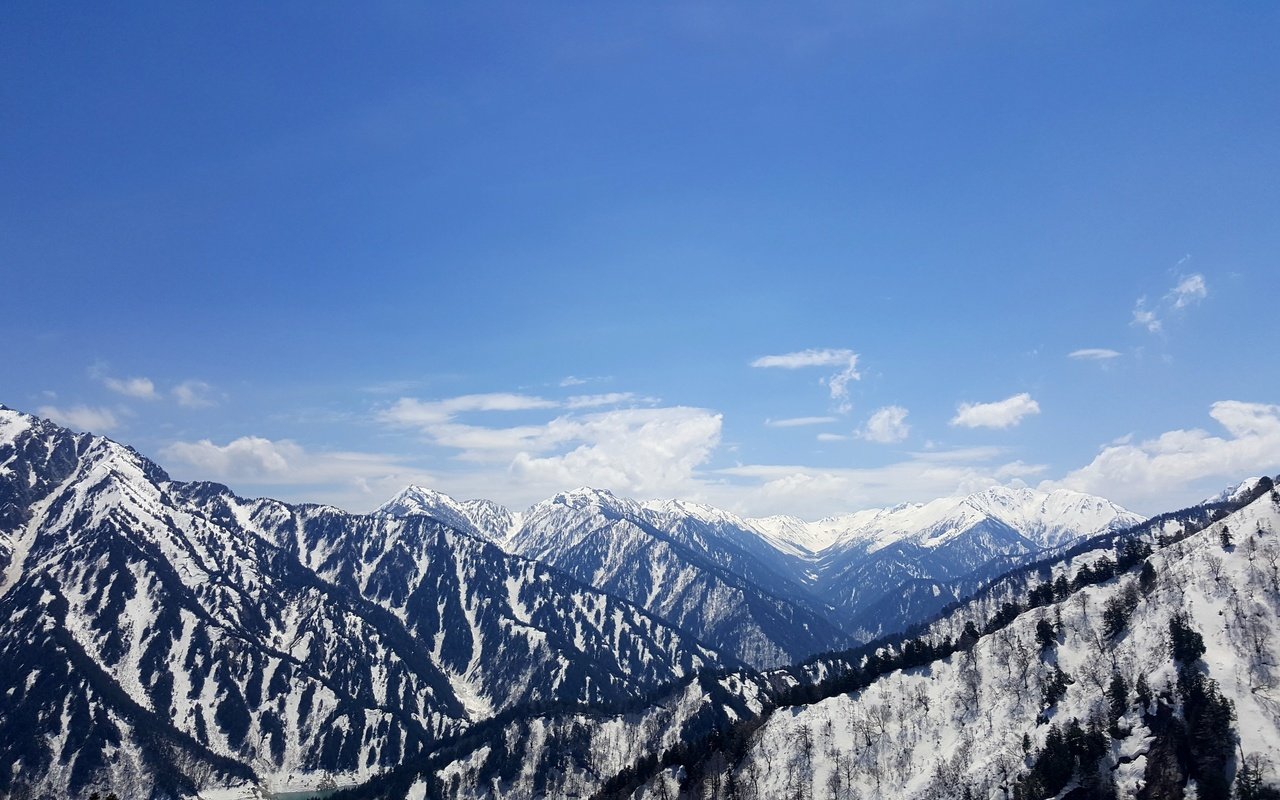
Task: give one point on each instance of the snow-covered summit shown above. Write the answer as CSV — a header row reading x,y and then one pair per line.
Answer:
x,y
1047,519
483,518
1235,492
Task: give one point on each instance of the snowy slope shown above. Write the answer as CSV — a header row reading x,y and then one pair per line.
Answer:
x,y
774,590
1046,519
958,724
161,636
892,568
483,518
698,567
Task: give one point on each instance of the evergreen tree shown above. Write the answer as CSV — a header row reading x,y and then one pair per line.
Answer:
x,y
1118,700
1143,692
1046,635
1186,645
1147,578
1061,589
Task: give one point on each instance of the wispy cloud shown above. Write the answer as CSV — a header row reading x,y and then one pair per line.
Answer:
x,y
796,422
1144,317
139,388
607,399
188,394
413,412
838,383
194,394
83,418
1005,413
355,480
1094,354
425,414
1188,291
887,425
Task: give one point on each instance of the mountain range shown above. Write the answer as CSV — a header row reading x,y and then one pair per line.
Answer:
x,y
161,638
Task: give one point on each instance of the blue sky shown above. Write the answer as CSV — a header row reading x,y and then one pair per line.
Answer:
x,y
318,252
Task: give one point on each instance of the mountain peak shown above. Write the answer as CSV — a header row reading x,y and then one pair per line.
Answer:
x,y
482,518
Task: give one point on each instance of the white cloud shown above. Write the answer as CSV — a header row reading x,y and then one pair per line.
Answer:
x,y
480,443
84,418
1001,414
1146,318
634,451
1190,290
811,492
627,450
807,358
410,411
194,394
887,425
572,381
607,399
795,422
832,437
1093,354
354,480
1158,474
838,384
141,388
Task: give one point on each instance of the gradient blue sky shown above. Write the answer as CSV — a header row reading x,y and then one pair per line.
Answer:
x,y
318,252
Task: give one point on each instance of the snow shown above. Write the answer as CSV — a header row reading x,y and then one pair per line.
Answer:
x,y
900,731
1234,492
12,425
1048,518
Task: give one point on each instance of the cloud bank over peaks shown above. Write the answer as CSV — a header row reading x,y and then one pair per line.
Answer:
x,y
1163,471
352,480
82,418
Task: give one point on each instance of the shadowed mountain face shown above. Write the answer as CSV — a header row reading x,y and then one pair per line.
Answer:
x,y
160,636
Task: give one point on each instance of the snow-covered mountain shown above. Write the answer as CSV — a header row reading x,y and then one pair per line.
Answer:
x,y
1139,664
700,568
890,568
775,590
158,637
1046,519
1155,682
483,518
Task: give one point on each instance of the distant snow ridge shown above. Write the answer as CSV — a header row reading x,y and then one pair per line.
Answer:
x,y
983,721
774,590
1047,519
